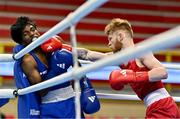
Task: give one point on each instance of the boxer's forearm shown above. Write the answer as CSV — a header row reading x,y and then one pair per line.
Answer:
x,y
157,74
86,54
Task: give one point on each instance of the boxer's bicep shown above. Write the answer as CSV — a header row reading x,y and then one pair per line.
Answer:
x,y
157,70
29,67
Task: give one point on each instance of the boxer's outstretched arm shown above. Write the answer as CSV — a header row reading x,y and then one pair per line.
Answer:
x,y
86,54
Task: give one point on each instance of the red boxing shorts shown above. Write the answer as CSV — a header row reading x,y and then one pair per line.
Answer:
x,y
164,108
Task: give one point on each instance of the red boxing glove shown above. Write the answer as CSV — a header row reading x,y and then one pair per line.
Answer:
x,y
67,47
51,45
118,78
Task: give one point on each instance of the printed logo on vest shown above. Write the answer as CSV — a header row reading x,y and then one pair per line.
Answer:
x,y
34,112
43,72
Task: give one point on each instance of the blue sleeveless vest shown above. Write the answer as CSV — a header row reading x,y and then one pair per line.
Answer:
x,y
29,104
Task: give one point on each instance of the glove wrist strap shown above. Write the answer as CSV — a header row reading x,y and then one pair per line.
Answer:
x,y
142,77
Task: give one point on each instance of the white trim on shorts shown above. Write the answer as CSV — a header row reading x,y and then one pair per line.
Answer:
x,y
58,95
155,96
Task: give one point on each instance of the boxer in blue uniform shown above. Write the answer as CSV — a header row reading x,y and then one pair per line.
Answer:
x,y
33,68
28,105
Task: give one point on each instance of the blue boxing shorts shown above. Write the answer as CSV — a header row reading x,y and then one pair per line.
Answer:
x,y
61,109
59,103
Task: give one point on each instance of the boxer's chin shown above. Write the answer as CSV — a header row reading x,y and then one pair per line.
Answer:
x,y
117,49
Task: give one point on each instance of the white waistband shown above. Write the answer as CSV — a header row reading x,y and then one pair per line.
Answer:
x,y
58,95
155,96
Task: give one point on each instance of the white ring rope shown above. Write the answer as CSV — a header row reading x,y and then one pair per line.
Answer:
x,y
168,38
75,67
6,58
124,97
100,95
167,65
117,96
72,18
172,66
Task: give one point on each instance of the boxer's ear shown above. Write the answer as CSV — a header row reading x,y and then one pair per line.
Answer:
x,y
120,36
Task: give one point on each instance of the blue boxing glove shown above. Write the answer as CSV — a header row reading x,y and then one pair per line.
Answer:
x,y
60,61
89,100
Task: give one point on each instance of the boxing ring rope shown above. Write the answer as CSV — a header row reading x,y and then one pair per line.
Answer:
x,y
75,67
124,97
117,96
6,58
167,65
171,66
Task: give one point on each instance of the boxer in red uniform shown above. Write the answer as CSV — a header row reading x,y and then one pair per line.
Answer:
x,y
143,74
